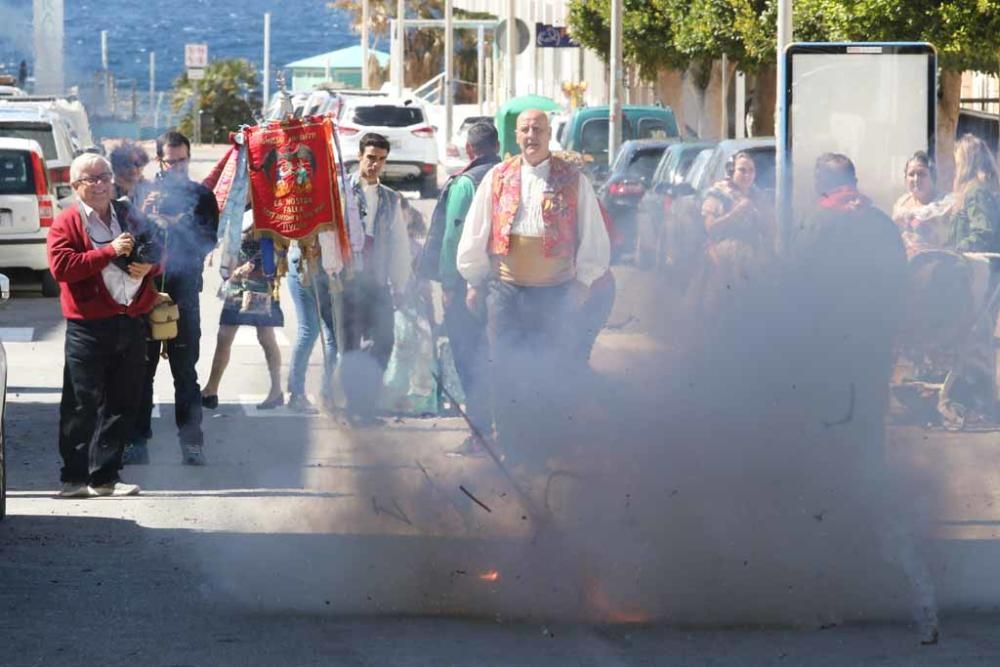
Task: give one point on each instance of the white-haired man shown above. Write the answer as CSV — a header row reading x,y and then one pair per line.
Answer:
x,y
105,294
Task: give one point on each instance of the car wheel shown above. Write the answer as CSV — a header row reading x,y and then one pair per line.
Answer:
x,y
50,286
429,187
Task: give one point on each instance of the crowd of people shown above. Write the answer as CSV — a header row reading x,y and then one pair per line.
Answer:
x,y
519,246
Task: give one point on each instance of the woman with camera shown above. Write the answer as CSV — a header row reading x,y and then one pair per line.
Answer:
x,y
249,301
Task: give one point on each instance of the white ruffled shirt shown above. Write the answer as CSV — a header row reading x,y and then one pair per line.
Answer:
x,y
593,254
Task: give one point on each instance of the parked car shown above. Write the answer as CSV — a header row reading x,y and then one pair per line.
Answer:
x,y
52,134
70,110
4,296
27,209
630,175
657,198
413,154
685,231
586,131
456,157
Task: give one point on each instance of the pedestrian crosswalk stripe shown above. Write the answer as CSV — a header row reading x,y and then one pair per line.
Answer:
x,y
17,334
249,404
247,337
54,397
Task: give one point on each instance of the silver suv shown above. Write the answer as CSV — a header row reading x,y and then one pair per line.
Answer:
x,y
413,153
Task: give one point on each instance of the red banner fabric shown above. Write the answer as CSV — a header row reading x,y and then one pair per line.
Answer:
x,y
220,179
292,181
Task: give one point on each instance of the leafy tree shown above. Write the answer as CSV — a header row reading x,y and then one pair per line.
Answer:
x,y
648,33
966,34
227,97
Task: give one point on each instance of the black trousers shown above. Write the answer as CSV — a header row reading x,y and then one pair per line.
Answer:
x,y
102,378
365,320
182,354
533,352
467,336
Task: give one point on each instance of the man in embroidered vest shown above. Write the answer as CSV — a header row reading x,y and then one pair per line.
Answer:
x,y
380,277
533,243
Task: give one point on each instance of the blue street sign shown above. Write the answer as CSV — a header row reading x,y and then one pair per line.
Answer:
x,y
553,37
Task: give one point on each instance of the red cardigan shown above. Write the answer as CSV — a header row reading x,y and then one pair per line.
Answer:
x,y
77,265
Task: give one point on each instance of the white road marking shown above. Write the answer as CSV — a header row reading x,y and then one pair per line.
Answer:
x,y
249,404
17,334
247,337
55,397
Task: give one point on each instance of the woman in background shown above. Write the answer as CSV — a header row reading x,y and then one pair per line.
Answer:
x,y
976,206
922,214
249,301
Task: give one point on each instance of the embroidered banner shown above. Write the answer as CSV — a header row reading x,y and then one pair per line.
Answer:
x,y
292,183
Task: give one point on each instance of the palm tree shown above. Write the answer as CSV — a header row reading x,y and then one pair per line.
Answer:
x,y
227,97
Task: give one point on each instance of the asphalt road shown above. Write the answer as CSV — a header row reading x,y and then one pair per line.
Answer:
x,y
306,543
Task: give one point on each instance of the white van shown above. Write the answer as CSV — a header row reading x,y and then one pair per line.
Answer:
x,y
27,209
52,134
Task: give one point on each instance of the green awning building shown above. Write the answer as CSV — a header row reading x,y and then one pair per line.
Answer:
x,y
339,68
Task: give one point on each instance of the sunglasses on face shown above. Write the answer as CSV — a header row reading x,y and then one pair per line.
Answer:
x,y
171,163
94,180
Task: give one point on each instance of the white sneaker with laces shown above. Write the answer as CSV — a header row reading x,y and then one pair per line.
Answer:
x,y
74,490
116,489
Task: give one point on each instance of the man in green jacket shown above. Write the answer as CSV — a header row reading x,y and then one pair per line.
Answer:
x,y
465,329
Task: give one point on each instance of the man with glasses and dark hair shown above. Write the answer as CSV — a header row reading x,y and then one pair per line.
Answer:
x,y
380,277
188,213
105,294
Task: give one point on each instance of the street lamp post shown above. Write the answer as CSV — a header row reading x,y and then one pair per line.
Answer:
x,y
365,17
511,49
615,94
267,64
400,46
449,68
782,180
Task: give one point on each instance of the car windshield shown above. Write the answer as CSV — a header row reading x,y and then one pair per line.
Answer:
x,y
474,120
643,164
16,177
763,161
40,132
698,167
651,128
387,115
594,136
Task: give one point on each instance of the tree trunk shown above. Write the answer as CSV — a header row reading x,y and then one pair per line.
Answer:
x,y
947,124
670,91
763,100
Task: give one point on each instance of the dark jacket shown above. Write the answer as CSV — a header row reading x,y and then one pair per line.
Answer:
x,y
189,213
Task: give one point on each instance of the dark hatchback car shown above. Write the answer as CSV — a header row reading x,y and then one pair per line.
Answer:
x,y
630,176
654,205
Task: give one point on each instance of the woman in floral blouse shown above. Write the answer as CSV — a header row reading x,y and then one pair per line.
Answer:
x,y
922,214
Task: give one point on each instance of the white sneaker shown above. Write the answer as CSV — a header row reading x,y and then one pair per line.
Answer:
x,y
74,490
116,489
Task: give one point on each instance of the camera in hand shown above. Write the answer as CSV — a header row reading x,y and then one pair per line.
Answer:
x,y
147,249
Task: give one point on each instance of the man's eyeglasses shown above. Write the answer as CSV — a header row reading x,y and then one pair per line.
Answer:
x,y
171,163
94,180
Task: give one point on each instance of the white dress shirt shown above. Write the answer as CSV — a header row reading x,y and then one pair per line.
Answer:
x,y
120,284
593,254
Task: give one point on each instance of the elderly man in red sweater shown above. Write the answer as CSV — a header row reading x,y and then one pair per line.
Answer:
x,y
106,293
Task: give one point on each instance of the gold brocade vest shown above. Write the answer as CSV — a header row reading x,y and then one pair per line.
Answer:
x,y
535,261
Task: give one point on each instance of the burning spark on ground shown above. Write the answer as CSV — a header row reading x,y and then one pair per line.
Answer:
x,y
491,575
